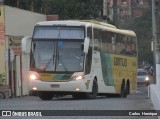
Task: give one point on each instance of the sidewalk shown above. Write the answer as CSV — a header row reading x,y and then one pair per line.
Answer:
x,y
155,96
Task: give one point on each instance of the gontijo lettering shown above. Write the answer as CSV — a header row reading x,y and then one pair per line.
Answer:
x,y
120,61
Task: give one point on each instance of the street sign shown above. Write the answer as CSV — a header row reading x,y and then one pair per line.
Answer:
x,y
14,41
11,55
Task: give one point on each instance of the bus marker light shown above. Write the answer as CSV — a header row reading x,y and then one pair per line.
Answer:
x,y
87,84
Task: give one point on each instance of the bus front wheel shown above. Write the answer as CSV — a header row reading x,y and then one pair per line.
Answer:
x,y
94,92
45,95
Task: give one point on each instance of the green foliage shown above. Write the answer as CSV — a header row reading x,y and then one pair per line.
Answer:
x,y
92,9
66,9
2,79
144,35
143,29
72,9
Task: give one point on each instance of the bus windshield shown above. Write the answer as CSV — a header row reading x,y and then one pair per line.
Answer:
x,y
58,55
58,32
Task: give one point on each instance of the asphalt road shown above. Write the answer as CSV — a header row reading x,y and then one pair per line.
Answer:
x,y
134,102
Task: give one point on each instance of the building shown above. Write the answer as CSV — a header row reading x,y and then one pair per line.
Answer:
x,y
15,23
155,88
121,10
129,9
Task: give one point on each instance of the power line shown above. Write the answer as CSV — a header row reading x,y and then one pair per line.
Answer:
x,y
85,10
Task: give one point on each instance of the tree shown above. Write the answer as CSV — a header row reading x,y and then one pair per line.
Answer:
x,y
66,9
73,9
92,9
144,34
143,29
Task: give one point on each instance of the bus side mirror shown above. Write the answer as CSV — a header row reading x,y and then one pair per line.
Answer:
x,y
26,44
86,45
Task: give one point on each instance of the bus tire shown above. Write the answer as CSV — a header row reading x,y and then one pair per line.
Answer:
x,y
45,95
123,93
2,95
94,92
128,87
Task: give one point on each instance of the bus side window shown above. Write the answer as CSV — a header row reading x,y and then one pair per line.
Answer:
x,y
118,44
127,46
123,43
108,40
97,44
113,42
32,62
133,45
89,32
88,61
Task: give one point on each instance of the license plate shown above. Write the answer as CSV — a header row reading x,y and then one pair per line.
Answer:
x,y
55,85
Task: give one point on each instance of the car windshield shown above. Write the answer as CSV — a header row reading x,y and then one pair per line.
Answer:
x,y
58,56
142,73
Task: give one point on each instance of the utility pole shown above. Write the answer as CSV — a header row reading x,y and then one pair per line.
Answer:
x,y
115,13
156,38
104,11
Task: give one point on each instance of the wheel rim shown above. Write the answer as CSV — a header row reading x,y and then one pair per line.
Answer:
x,y
123,90
94,88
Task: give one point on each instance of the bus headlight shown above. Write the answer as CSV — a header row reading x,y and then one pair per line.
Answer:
x,y
33,75
147,78
76,78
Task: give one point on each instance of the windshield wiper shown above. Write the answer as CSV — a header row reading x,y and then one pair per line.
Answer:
x,y
61,61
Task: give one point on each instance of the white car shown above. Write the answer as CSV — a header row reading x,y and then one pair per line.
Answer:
x,y
142,77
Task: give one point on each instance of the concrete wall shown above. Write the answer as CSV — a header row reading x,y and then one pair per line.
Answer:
x,y
155,88
20,22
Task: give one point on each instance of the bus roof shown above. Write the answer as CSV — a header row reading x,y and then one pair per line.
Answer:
x,y
110,27
64,23
87,23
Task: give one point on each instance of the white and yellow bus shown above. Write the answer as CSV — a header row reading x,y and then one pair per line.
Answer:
x,y
83,59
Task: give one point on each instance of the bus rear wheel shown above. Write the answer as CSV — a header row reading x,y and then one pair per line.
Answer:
x,y
45,95
128,87
2,95
94,92
123,93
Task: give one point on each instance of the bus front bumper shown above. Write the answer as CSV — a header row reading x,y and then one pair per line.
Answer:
x,y
70,86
